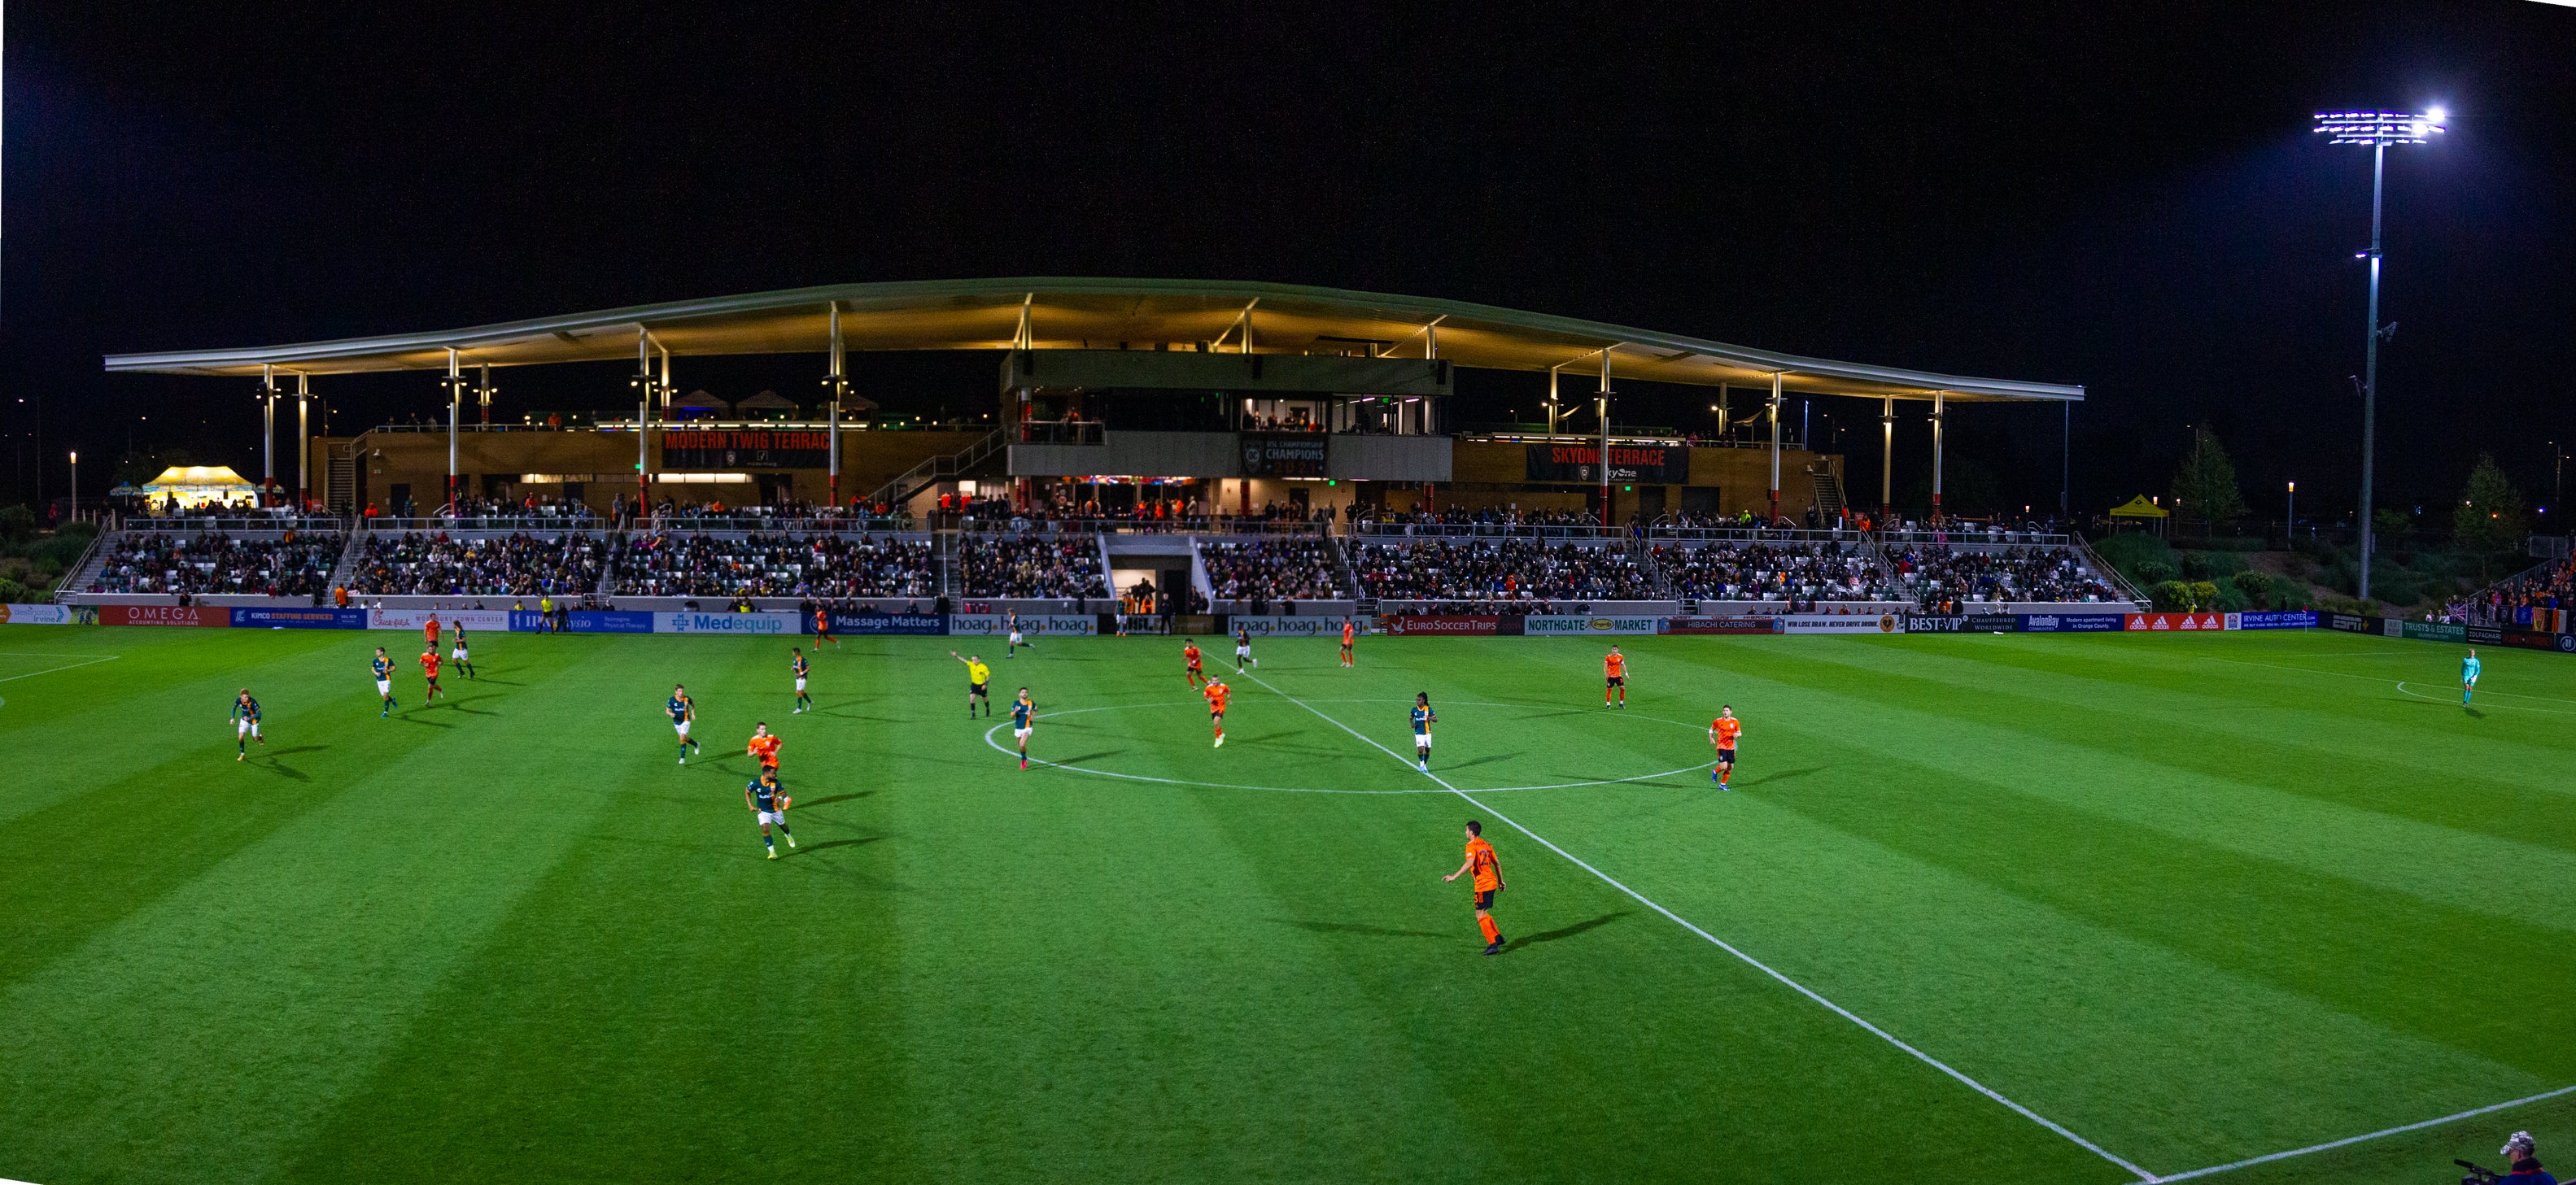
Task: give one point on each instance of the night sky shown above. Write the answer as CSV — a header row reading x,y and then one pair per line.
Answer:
x,y
2127,199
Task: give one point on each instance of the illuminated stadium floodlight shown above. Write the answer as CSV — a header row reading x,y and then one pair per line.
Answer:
x,y
2378,130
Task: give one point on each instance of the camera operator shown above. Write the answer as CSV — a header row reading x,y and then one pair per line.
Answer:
x,y
2522,1167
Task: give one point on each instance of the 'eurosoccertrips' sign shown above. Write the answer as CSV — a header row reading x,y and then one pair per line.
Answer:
x,y
1654,464
744,448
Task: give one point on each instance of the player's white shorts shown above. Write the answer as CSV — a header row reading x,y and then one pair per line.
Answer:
x,y
681,727
1422,740
800,683
456,655
1019,734
384,687
1015,639
1242,652
769,817
243,728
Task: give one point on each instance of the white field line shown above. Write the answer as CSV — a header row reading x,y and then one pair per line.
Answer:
x,y
1722,944
2221,1168
50,670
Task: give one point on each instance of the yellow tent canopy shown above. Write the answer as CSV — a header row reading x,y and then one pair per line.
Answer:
x,y
200,475
192,486
2138,507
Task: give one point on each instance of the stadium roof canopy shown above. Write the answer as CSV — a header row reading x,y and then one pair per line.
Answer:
x,y
1061,313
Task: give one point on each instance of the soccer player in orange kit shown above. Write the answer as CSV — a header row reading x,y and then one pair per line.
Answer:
x,y
1614,668
1489,881
1216,692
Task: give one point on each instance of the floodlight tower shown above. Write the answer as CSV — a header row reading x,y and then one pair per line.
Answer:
x,y
2378,129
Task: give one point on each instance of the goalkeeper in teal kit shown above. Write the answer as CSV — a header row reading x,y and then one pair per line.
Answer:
x,y
2468,677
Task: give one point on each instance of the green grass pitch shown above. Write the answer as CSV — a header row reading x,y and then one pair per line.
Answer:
x,y
2191,899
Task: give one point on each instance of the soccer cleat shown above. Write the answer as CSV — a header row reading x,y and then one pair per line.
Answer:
x,y
1712,776
1424,766
1024,763
1495,947
241,756
773,853
791,841
684,760
1220,741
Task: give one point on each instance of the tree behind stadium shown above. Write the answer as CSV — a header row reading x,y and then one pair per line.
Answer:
x,y
2204,487
2489,520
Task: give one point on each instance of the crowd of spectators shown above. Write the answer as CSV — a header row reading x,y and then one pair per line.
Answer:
x,y
1030,567
2549,587
1733,571
1285,567
517,565
1938,577
693,564
530,506
1495,570
295,565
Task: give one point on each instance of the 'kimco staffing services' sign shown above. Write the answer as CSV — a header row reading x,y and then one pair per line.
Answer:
x,y
1653,464
749,448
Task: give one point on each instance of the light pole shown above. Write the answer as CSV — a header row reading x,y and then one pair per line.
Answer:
x,y
2290,525
75,485
2378,129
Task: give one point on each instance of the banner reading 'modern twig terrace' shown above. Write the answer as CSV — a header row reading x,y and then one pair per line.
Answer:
x,y
748,448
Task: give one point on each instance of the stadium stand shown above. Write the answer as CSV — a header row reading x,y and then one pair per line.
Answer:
x,y
213,562
1495,570
2511,601
437,564
1281,569
1031,567
1937,575
693,564
1742,571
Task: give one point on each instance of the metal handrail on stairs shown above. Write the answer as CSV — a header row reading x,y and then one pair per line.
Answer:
x,y
935,469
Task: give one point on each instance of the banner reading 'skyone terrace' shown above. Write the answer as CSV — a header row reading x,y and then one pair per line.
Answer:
x,y
1654,464
745,448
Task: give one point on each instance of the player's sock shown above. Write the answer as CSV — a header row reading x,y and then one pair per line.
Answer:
x,y
1485,922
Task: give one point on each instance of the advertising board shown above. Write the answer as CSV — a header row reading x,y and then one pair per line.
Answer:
x,y
14,614
197,615
1658,464
2433,631
1841,623
1284,454
1448,625
1286,627
1562,624
493,620
737,448
990,625
2183,622
303,619
2540,640
728,623
1717,625
2483,635
2297,619
586,621
2350,623
2073,623
861,624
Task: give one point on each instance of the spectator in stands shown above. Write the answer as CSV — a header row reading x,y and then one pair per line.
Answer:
x,y
1031,567
1940,576
433,564
1745,571
1495,570
696,564
1285,568
294,565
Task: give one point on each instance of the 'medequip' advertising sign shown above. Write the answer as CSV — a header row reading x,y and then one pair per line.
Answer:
x,y
1562,624
992,625
857,624
1841,623
303,619
727,623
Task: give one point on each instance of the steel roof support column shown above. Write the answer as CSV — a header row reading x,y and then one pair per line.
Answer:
x,y
1551,402
455,407
1938,414
839,385
643,384
484,391
267,435
303,445
1886,457
1606,433
1776,376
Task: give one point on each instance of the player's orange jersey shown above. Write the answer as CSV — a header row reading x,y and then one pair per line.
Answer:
x,y
429,629
429,664
1614,665
1191,655
1726,728
766,749
1480,858
1215,693
1346,633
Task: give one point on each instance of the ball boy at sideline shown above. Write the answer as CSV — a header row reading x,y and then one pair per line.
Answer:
x,y
1243,649
768,803
429,667
1216,692
458,655
796,663
978,684
2469,676
1488,881
1614,668
246,725
683,710
1423,719
1023,712
1722,733
1190,662
384,682
763,746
